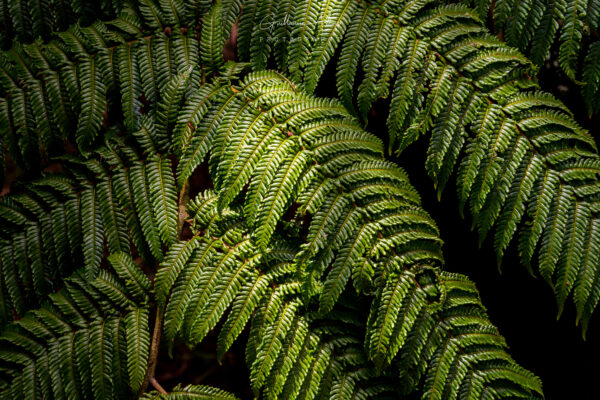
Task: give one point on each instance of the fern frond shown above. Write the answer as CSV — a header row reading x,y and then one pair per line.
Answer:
x,y
279,172
352,47
367,210
113,219
211,40
476,97
67,85
70,347
323,50
393,316
243,306
190,392
459,352
533,27
138,346
56,224
27,20
185,285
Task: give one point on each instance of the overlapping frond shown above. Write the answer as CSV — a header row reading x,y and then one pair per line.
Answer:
x,y
80,345
536,26
62,222
63,90
291,352
458,352
283,366
524,165
28,20
365,223
289,148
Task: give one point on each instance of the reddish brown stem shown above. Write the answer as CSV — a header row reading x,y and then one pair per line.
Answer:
x,y
157,386
153,357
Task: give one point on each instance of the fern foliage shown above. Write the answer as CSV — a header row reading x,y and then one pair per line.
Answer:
x,y
570,25
244,262
80,344
60,223
26,20
524,166
64,89
306,236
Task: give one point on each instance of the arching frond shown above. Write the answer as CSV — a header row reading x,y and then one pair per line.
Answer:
x,y
64,89
75,345
459,352
363,211
298,161
302,202
476,98
534,26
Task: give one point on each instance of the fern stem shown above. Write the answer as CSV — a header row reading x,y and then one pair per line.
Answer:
x,y
153,357
183,200
157,386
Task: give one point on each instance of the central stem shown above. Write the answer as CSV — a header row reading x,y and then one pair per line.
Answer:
x,y
153,356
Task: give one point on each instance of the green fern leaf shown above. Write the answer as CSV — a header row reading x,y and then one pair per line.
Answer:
x,y
329,37
211,40
138,346
373,58
92,224
206,317
164,198
93,101
171,267
131,87
136,281
185,285
144,208
271,343
570,37
243,306
113,219
353,45
274,203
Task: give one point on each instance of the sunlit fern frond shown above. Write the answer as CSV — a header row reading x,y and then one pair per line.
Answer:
x,y
524,165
